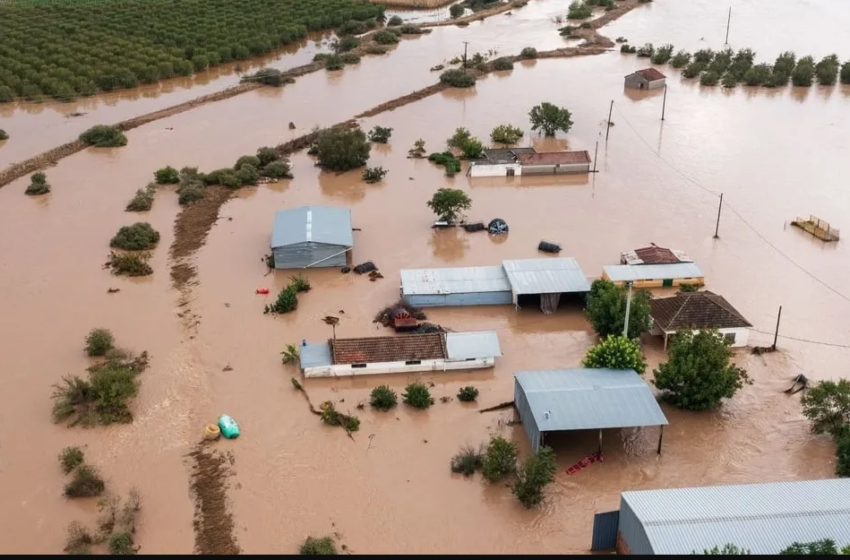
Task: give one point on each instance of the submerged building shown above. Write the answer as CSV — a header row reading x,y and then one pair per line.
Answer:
x,y
312,237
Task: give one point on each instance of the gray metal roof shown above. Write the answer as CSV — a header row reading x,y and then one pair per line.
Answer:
x,y
546,276
589,399
764,518
461,346
315,355
318,224
429,281
631,273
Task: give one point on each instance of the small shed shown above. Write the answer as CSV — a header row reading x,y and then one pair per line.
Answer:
x,y
311,236
648,78
583,399
554,163
654,275
696,311
448,287
545,280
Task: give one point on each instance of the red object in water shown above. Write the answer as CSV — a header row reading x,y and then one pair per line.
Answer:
x,y
262,290
584,463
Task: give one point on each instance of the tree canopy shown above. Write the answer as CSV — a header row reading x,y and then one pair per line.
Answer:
x,y
449,204
340,149
826,547
827,406
699,373
616,352
606,310
550,118
726,550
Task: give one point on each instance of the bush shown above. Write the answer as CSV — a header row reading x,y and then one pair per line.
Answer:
x,y
85,484
827,406
417,395
681,59
71,458
253,161
503,64
468,460
467,394
409,30
827,70
323,546
346,44
693,70
189,193
709,78
662,54
79,540
333,63
143,199
460,137
3,134
166,176
99,342
385,37
499,461
331,417
842,453
102,136
394,21
783,67
457,78
456,10
646,51
729,80
277,170
265,156
350,58
380,134
804,72
758,75
352,27
129,264
845,73
39,185
287,301
121,543
246,175
528,52
340,149
449,204
472,148
290,355
448,160
579,10
383,398
299,284
374,174
537,472
567,31
616,352
506,134
137,237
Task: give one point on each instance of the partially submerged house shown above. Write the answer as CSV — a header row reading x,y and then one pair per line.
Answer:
x,y
311,236
341,357
654,255
498,163
648,78
654,275
509,162
517,281
696,311
763,519
584,399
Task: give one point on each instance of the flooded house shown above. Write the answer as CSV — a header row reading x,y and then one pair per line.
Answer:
x,y
311,236
648,78
654,275
521,282
763,519
697,311
342,357
510,162
654,255
498,163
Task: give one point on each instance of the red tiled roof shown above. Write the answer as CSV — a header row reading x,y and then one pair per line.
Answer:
x,y
388,348
552,158
651,74
656,255
695,310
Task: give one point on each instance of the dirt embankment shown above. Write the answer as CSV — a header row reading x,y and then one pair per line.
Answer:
x,y
592,38
477,16
414,4
213,522
191,227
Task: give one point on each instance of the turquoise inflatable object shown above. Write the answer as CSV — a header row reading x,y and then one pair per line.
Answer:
x,y
228,426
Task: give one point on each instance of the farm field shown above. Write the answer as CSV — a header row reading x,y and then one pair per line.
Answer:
x,y
65,49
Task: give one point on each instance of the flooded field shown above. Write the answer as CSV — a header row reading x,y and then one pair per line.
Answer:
x,y
391,491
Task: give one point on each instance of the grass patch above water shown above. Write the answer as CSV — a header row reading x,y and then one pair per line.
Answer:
x,y
318,546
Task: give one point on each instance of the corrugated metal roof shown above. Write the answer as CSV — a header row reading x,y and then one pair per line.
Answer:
x,y
764,518
631,273
318,224
315,355
429,281
484,344
589,399
546,276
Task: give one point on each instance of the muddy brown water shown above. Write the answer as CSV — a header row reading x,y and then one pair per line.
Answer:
x,y
393,492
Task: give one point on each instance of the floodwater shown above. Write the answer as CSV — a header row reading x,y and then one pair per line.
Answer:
x,y
774,155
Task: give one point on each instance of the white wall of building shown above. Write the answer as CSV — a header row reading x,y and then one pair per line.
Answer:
x,y
493,170
345,370
742,335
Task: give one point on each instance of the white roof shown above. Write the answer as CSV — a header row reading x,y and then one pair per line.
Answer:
x,y
546,276
462,346
631,273
465,280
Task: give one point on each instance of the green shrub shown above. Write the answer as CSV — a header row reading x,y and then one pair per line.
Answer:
x,y
845,73
385,37
376,49
277,170
693,70
266,155
616,352
189,193
729,80
624,49
579,10
456,10
417,395
340,149
467,394
395,21
166,176
79,540
503,64
323,546
71,458
143,199
39,185
350,58
346,44
85,484
709,78
332,417
121,544
287,301
299,284
99,342
374,174
333,63
410,30
468,460
137,237
352,27
537,472
681,59
662,54
247,175
758,75
253,161
380,134
506,134
804,72
102,136
129,264
827,70
585,25
3,134
383,398
646,51
567,31
500,459
268,77
528,52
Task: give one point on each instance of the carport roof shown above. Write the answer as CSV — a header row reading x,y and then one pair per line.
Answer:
x,y
546,276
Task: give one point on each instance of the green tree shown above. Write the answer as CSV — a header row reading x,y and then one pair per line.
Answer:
x,y
99,342
3,135
532,477
616,352
725,550
699,373
842,452
499,460
339,149
506,134
167,176
102,136
456,10
550,118
460,137
825,547
827,406
449,204
606,310
472,148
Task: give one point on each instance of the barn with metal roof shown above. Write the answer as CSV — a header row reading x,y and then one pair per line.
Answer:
x,y
761,518
311,236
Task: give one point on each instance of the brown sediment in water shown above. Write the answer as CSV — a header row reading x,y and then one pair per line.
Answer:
x,y
213,522
190,232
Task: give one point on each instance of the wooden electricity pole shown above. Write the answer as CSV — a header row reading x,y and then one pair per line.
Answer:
x,y
776,334
728,23
465,45
664,103
717,227
608,124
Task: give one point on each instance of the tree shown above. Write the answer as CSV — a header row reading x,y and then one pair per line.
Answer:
x,y
457,78
550,118
506,134
380,134
532,477
472,148
102,136
842,452
456,10
699,373
616,352
606,310
167,176
726,550
827,406
460,137
499,460
448,204
825,547
339,149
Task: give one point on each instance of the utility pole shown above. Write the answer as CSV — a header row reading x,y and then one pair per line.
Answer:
x,y
728,23
776,334
465,45
595,153
608,124
628,309
717,227
664,103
